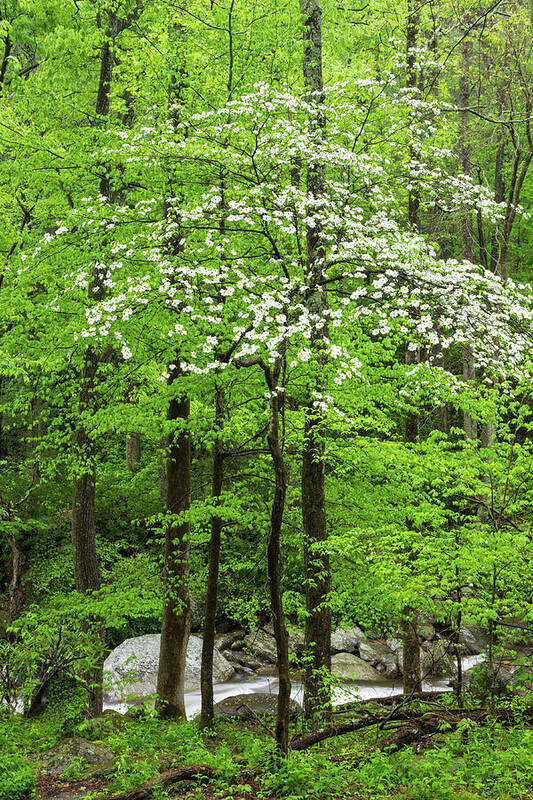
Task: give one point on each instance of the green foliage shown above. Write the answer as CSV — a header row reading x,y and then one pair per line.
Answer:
x,y
495,762
17,777
303,776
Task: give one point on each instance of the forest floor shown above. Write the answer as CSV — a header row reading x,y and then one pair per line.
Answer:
x,y
489,761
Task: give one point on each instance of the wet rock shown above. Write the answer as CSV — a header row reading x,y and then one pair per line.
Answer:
x,y
131,668
261,644
197,613
248,705
224,641
59,758
297,640
426,630
241,659
474,638
268,670
346,640
437,658
374,651
388,666
346,665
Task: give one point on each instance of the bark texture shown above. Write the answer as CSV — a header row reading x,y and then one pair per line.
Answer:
x,y
467,225
176,603
206,674
133,451
412,681
274,572
317,695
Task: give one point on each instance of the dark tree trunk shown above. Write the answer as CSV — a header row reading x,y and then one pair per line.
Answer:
x,y
176,603
206,679
410,642
86,569
467,225
412,80
317,694
84,553
412,682
274,574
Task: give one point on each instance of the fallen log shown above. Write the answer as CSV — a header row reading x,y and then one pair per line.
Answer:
x,y
191,772
303,741
390,700
416,717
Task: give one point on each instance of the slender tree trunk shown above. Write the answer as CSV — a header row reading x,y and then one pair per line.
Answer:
x,y
410,640
86,569
176,621
467,226
15,596
84,553
206,679
176,603
412,81
317,694
274,575
412,681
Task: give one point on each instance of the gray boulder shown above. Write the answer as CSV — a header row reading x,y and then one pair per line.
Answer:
x,y
131,668
296,640
426,630
388,666
261,644
437,658
296,637
346,665
346,640
474,638
374,651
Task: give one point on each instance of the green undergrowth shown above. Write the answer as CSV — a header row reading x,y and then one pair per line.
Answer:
x,y
486,762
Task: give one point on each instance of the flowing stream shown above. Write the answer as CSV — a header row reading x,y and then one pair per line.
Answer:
x,y
252,684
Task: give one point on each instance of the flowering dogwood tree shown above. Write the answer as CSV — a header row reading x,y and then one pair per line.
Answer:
x,y
236,290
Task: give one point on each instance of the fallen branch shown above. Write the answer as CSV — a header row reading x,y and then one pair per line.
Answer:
x,y
419,721
191,772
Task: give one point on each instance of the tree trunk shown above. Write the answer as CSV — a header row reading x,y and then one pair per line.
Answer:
x,y
317,694
467,225
86,568
412,681
84,553
206,679
133,451
410,640
274,575
15,597
176,604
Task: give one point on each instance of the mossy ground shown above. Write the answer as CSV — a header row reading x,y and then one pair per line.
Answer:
x,y
473,763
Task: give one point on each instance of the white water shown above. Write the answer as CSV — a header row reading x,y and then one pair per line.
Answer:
x,y
252,684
